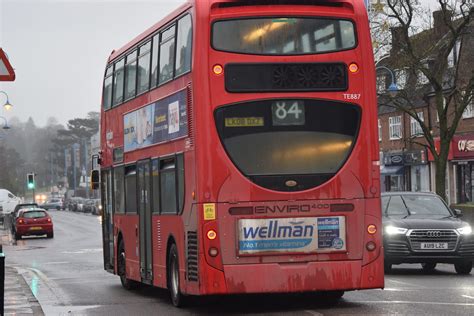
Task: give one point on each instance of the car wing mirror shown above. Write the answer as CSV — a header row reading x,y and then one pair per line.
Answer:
x,y
457,212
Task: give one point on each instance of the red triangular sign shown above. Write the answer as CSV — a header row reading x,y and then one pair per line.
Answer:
x,y
6,70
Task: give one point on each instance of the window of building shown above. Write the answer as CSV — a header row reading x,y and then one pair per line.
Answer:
x,y
422,79
453,56
469,110
107,101
381,84
401,78
154,60
130,75
395,127
415,126
167,46
183,45
130,189
118,81
380,130
119,197
168,186
144,61
155,182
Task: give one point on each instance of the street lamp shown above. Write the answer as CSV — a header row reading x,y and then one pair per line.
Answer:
x,y
392,88
5,126
7,104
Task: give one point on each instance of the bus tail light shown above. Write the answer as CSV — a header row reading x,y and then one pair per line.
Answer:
x,y
20,221
212,244
370,246
213,252
371,229
353,67
211,234
218,70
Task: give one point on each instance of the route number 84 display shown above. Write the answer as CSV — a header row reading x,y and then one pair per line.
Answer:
x,y
288,112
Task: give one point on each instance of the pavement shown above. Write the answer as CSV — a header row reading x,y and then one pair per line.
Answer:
x,y
19,299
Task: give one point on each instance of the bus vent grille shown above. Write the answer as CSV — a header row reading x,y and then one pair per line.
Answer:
x,y
302,77
190,115
158,232
192,256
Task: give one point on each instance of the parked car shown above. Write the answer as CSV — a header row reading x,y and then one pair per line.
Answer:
x,y
92,206
53,204
8,201
17,208
421,228
35,221
75,204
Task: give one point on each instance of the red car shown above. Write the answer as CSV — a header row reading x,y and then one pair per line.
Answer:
x,y
34,221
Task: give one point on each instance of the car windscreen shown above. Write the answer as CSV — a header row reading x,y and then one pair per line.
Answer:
x,y
34,214
425,205
283,35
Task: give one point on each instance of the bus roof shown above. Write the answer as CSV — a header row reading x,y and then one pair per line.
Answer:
x,y
150,30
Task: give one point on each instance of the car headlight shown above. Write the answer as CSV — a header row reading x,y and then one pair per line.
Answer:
x,y
466,230
392,230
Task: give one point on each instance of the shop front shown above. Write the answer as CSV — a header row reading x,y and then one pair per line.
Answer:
x,y
405,171
463,160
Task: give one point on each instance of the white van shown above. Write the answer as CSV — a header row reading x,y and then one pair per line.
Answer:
x,y
7,202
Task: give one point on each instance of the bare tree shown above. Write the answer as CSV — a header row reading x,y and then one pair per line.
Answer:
x,y
426,53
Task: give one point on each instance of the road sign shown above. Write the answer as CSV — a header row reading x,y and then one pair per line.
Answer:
x,y
6,70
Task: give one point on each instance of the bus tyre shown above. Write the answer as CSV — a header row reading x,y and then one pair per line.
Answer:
x,y
126,283
428,267
50,235
387,267
463,267
177,297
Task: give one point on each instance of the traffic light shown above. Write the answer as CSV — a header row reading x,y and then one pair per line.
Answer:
x,y
31,181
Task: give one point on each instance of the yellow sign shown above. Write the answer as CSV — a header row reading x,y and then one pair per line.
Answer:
x,y
209,211
244,121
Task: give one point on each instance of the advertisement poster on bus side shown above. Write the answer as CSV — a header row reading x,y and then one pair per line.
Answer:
x,y
138,131
292,235
162,121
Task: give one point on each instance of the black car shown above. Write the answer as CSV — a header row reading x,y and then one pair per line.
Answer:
x,y
421,228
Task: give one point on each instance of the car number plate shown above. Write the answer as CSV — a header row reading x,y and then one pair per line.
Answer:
x,y
434,245
36,228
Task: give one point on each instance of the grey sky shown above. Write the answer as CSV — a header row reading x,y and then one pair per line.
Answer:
x,y
59,49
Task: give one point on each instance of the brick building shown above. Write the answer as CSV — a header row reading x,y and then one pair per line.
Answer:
x,y
405,163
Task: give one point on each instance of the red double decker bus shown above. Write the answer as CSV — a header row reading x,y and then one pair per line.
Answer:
x,y
240,151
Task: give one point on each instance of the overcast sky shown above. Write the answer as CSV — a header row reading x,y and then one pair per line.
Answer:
x,y
59,49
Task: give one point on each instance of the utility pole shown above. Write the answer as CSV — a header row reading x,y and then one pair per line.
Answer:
x,y
85,167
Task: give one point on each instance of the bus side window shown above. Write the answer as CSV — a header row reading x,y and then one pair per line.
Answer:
x,y
167,50
183,45
155,182
180,179
154,60
143,82
118,82
119,196
131,189
107,101
130,75
168,186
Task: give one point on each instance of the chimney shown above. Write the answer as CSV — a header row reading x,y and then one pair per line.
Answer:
x,y
398,39
439,25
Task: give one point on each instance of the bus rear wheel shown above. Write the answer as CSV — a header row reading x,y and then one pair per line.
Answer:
x,y
177,298
122,271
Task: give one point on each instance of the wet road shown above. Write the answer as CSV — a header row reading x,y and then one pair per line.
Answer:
x,y
67,277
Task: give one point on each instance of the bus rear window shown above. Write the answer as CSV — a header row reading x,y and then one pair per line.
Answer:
x,y
283,35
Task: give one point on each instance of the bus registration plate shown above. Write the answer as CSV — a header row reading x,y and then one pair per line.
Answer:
x,y
292,235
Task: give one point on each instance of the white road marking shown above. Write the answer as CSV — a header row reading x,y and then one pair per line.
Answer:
x,y
401,282
314,313
92,250
467,296
57,262
409,302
